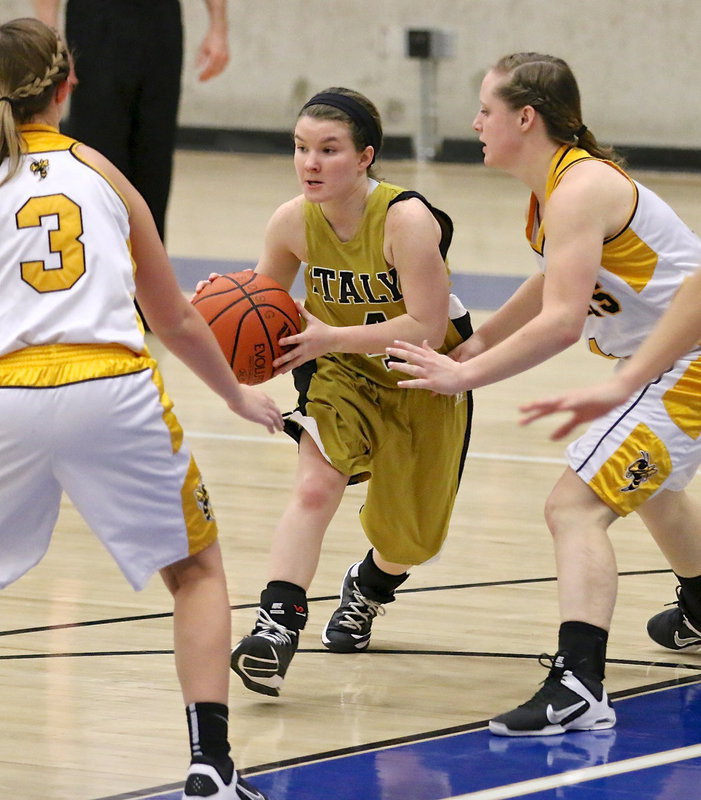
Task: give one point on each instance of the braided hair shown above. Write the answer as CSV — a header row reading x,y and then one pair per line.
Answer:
x,y
33,61
548,85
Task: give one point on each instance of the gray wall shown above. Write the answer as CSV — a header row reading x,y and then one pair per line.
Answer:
x,y
638,62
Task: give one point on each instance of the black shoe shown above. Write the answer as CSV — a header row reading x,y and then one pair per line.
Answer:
x,y
565,702
203,780
674,629
261,659
349,629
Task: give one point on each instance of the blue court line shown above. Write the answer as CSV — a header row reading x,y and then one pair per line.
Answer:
x,y
477,291
653,753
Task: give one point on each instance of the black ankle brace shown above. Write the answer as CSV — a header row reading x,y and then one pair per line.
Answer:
x,y
376,583
691,595
286,603
583,647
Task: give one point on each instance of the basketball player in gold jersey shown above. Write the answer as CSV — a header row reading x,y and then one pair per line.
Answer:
x,y
82,404
612,256
375,270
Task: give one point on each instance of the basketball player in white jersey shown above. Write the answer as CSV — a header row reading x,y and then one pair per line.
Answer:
x,y
82,405
612,256
677,332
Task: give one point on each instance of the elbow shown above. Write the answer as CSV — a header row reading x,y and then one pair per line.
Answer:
x,y
435,335
568,333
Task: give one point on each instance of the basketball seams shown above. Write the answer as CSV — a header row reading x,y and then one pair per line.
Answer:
x,y
248,334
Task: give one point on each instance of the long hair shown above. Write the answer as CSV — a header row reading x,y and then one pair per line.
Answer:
x,y
33,61
548,84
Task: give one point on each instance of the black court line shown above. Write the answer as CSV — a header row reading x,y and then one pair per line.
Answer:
x,y
375,653
320,599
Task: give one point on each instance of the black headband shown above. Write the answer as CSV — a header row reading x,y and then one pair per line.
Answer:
x,y
356,111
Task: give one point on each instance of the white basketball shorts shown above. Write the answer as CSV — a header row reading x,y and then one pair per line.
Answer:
x,y
116,449
648,444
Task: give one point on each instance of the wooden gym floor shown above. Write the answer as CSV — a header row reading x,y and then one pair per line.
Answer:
x,y
91,705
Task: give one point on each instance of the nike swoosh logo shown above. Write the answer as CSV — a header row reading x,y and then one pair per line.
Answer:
x,y
556,717
686,642
243,791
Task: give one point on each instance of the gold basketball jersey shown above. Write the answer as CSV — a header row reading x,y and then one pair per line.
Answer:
x,y
350,283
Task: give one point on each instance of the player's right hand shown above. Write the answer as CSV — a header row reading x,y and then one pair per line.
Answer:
x,y
255,406
585,405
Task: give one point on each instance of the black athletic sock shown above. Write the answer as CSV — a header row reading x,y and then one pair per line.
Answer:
x,y
208,725
691,592
583,647
377,584
286,603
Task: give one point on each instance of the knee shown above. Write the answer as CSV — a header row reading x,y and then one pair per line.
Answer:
x,y
319,491
193,569
557,512
567,511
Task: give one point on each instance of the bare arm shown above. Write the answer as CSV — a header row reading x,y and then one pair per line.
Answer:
x,y
213,54
411,244
172,318
524,304
284,245
576,223
677,332
47,11
412,237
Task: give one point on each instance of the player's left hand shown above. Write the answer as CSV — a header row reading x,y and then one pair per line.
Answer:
x,y
315,340
430,370
255,405
205,282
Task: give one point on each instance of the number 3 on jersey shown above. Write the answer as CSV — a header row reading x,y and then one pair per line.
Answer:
x,y
64,240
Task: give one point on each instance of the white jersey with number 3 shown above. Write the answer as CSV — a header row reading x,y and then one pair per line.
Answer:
x,y
64,281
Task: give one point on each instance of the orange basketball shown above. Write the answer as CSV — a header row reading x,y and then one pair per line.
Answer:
x,y
248,313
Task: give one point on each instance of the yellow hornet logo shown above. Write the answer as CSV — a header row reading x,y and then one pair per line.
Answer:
x,y
40,168
639,471
203,501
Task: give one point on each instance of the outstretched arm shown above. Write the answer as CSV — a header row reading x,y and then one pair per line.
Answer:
x,y
172,318
677,332
576,223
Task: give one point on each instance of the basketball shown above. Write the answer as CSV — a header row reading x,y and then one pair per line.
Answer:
x,y
248,313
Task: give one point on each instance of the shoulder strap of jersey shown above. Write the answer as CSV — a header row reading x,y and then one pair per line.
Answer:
x,y
442,218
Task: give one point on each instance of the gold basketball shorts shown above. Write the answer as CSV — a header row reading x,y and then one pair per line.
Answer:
x,y
409,445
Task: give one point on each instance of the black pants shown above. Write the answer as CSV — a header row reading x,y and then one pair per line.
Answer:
x,y
128,60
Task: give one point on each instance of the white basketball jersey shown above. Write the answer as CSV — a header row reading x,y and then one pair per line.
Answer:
x,y
642,266
66,270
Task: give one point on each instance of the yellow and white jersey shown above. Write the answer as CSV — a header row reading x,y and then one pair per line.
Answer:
x,y
65,260
642,265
